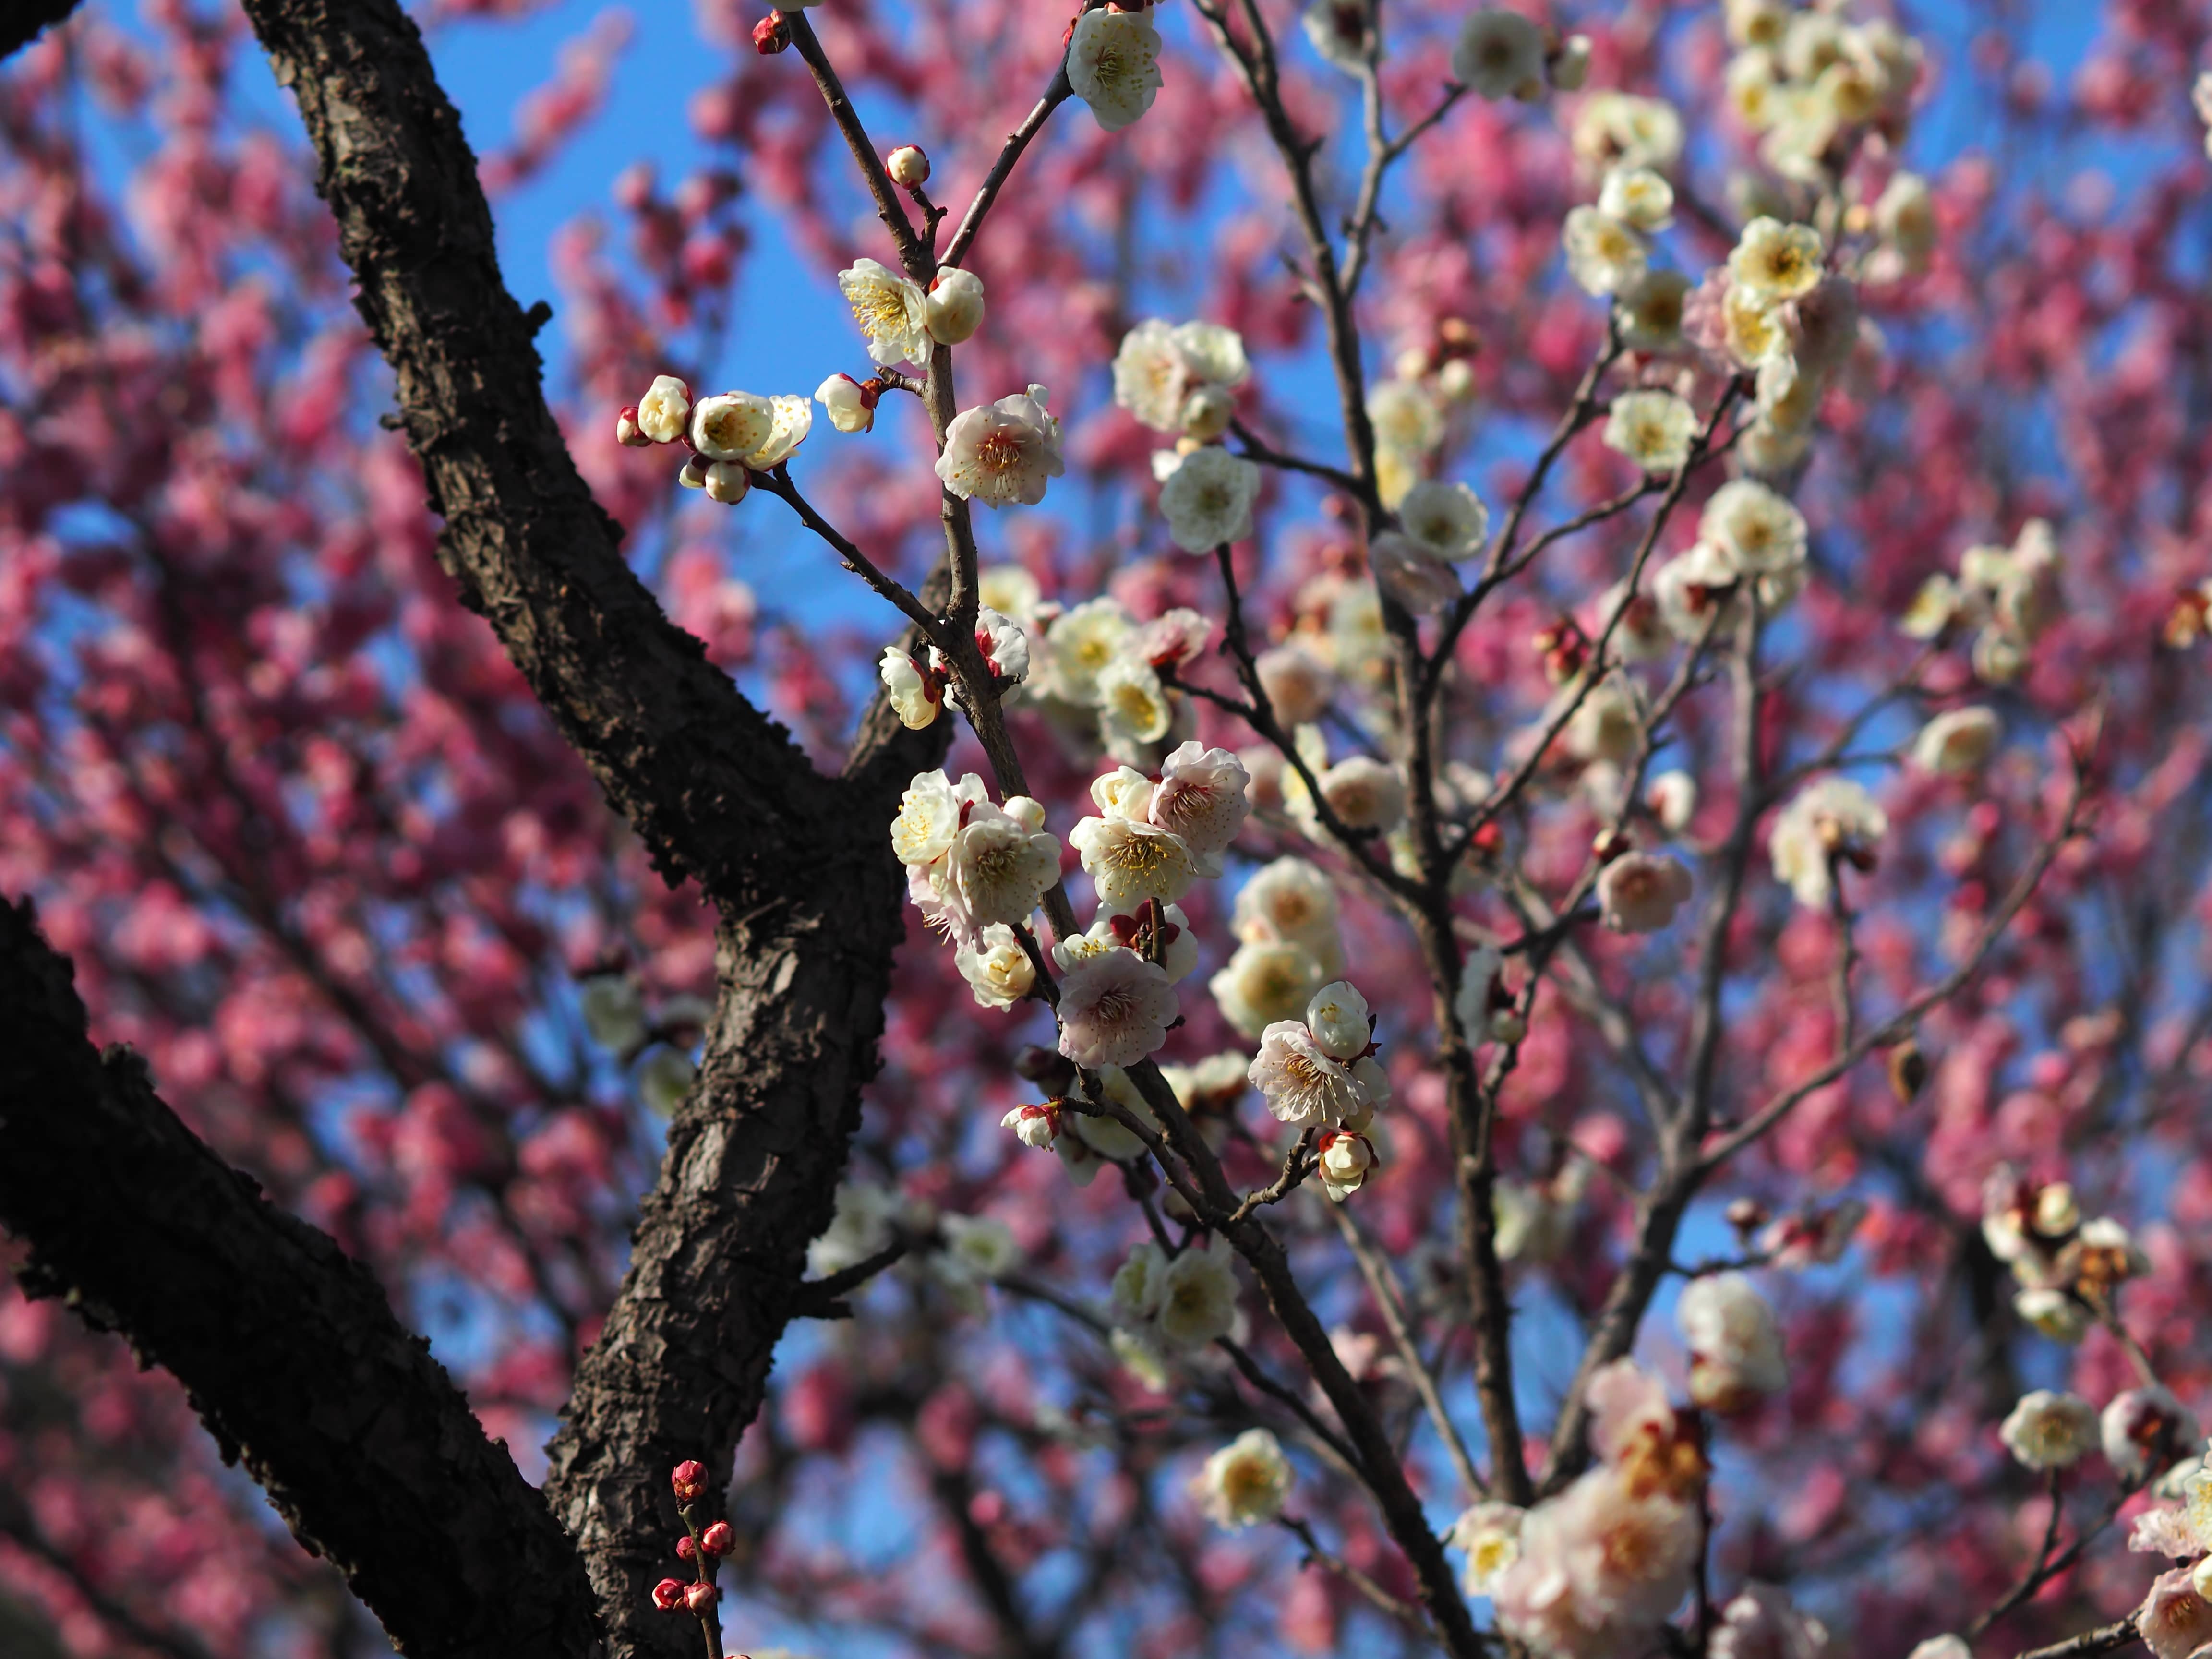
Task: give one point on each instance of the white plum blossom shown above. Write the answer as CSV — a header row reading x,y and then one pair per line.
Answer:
x,y
730,425
930,815
1619,128
1264,982
1245,1482
727,481
1003,452
1407,417
1115,1009
1411,575
1081,643
790,419
892,309
663,414
1759,531
1342,31
1208,501
1599,1566
1673,799
1178,955
2175,1619
1904,219
1761,1622
1649,310
1173,639
1490,1532
2049,1430
1834,819
1957,740
1637,198
1735,1347
1344,1159
1297,683
1133,705
850,406
1499,54
1654,429
1945,1646
1290,899
1201,798
914,696
1179,378
997,870
1130,861
1364,794
860,1225
1446,521
1035,1126
1305,1085
1338,1017
1777,260
997,970
1197,1298
1137,1282
1604,255
1639,892
1694,590
953,310
908,166
1113,65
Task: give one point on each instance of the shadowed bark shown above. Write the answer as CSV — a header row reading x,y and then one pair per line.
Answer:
x,y
288,1348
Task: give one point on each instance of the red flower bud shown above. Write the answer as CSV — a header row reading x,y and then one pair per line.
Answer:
x,y
685,1549
697,1598
690,1480
668,1594
771,35
716,1539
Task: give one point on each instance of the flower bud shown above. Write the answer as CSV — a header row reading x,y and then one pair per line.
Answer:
x,y
1345,1159
689,1480
1034,1126
1206,413
626,430
685,1549
665,410
693,475
1572,67
727,482
697,1598
716,1539
771,35
668,1594
955,306
908,166
851,405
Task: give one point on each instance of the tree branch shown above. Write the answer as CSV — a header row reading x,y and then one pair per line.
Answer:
x,y
291,1350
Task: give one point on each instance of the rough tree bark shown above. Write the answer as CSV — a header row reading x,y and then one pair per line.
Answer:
x,y
797,864
291,1353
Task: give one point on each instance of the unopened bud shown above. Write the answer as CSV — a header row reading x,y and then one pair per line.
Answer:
x,y
1746,1215
908,166
697,1598
1044,1068
716,1539
685,1549
689,1479
628,433
1572,67
668,1594
728,482
693,475
771,35
851,406
954,307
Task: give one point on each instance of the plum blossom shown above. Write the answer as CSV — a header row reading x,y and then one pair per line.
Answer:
x,y
1639,892
1133,705
915,696
1778,260
953,309
1499,54
1830,820
997,970
1735,1347
892,311
1649,310
1113,65
1411,575
2049,1430
1364,793
1197,1298
1344,1159
1489,1534
2142,1431
2175,1620
1342,31
1081,644
1003,452
1297,683
1245,1482
1035,1126
1761,1622
1338,1017
1637,198
1114,1009
1604,255
1129,860
730,425
1208,501
663,414
850,406
1957,740
1180,377
1654,429
1619,128
1445,520
1302,1082
1200,796
1759,531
